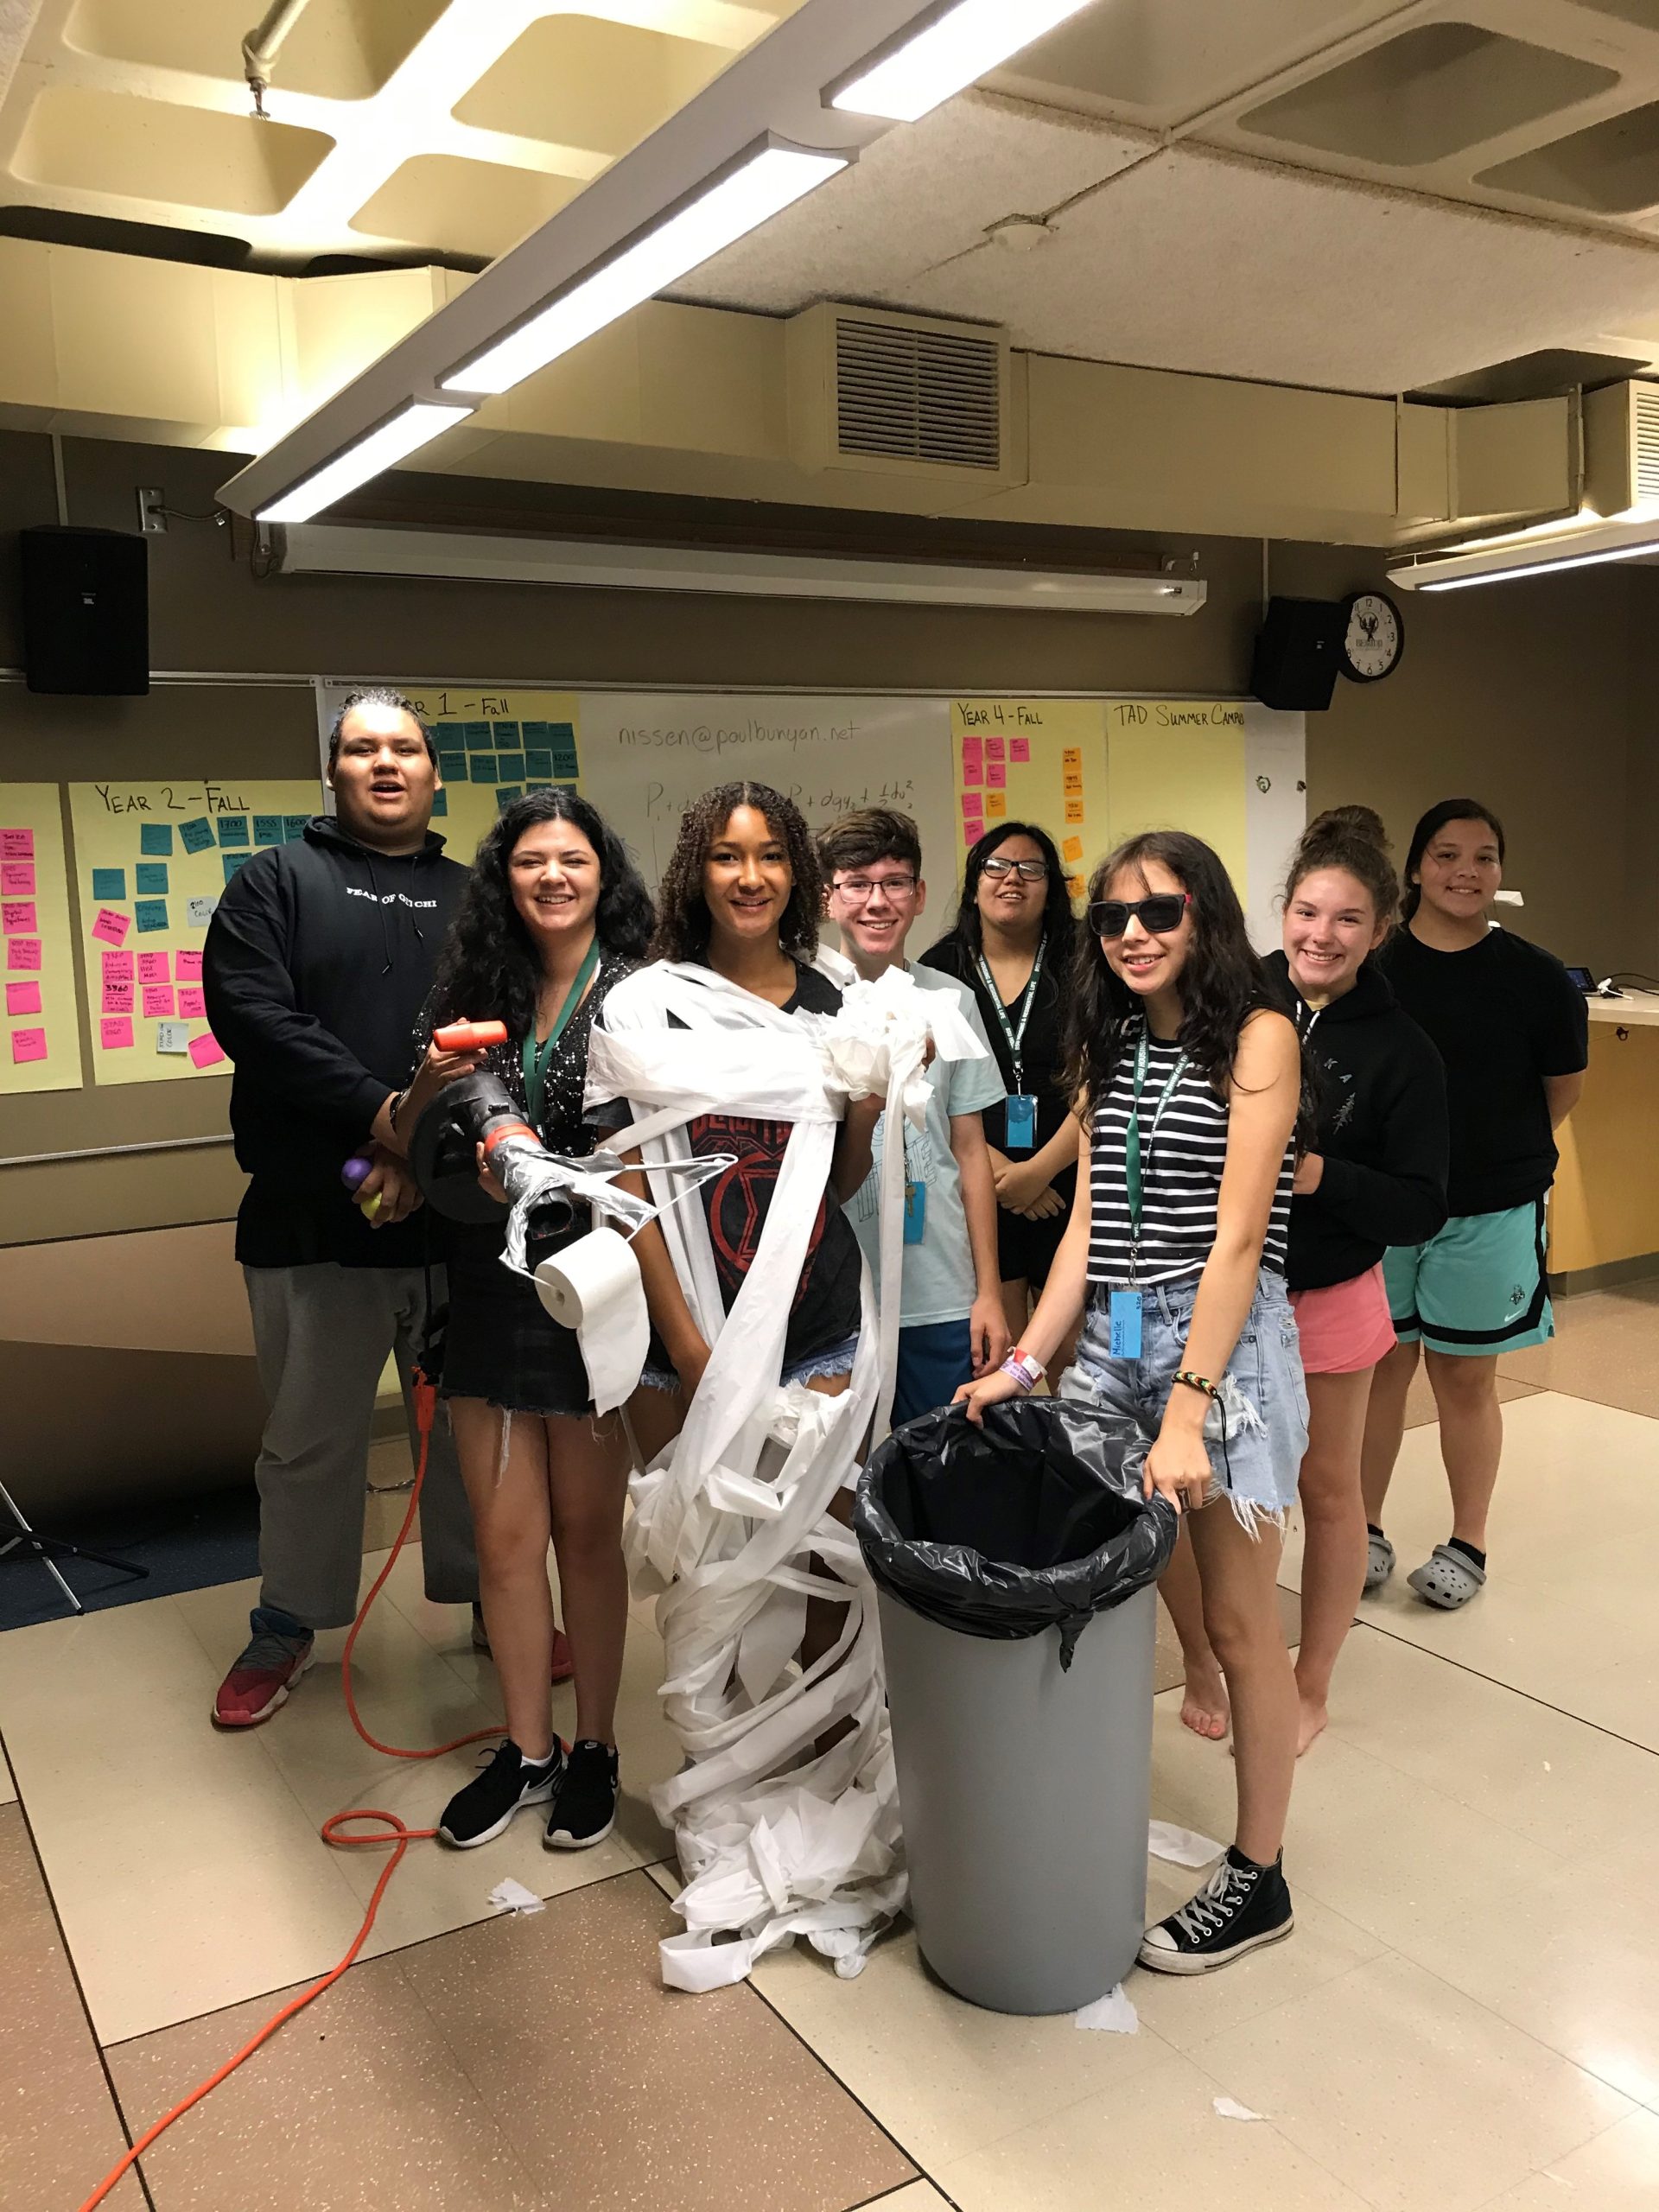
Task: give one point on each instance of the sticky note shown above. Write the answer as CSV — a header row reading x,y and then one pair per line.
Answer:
x,y
193,1005
1019,751
24,952
481,767
996,775
972,802
153,968
510,767
118,998
538,763
158,1002
156,839
1073,781
996,804
1072,849
1077,886
111,928
476,734
440,803
17,918
201,913
17,878
996,748
294,828
23,998
449,735
973,759
28,1045
232,862
1074,809
562,736
452,766
564,764
205,1052
507,739
16,844
109,883
118,967
1072,757
196,836
172,1037
536,733
151,913
233,829
150,879
115,1033
268,830
186,966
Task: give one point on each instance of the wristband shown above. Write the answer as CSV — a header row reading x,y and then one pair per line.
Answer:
x,y
1026,1371
1199,1382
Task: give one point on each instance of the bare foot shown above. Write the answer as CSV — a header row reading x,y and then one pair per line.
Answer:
x,y
1205,1708
1311,1722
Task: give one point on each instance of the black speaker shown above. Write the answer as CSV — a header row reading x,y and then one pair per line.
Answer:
x,y
85,611
1298,652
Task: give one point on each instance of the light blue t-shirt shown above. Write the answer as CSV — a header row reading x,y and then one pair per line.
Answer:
x,y
938,1272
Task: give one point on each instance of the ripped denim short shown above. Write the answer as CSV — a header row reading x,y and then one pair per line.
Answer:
x,y
1255,1453
837,1360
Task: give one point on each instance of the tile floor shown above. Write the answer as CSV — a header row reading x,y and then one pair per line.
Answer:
x,y
1467,2016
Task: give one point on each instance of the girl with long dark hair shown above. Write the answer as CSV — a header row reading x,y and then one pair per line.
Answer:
x,y
1189,1082
553,915
1013,943
1513,1032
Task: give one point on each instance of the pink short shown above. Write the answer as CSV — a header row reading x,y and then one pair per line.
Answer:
x,y
1345,1326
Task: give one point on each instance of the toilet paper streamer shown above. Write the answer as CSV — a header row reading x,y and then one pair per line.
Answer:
x,y
593,1287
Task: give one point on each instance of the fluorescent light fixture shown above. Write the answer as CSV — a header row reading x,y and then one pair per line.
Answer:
x,y
955,46
1542,568
764,181
410,429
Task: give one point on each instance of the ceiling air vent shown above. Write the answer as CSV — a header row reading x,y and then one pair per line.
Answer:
x,y
900,394
1621,446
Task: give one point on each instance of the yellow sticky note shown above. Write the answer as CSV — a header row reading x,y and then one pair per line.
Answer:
x,y
1072,849
1074,809
996,802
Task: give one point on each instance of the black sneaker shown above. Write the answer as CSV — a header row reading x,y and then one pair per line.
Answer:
x,y
584,1812
1240,1906
484,1807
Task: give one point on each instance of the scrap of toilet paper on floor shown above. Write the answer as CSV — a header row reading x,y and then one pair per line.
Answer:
x,y
1111,2015
1230,2108
1181,1847
513,1897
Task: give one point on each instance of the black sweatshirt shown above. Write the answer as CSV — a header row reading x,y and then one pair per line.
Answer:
x,y
318,962
1382,1131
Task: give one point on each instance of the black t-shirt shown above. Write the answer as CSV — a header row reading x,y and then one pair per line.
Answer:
x,y
1503,1015
1042,1049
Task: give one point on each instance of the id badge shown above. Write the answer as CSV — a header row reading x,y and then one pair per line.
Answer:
x,y
915,1212
1022,1121
1125,1317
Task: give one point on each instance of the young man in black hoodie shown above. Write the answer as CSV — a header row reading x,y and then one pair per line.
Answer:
x,y
318,962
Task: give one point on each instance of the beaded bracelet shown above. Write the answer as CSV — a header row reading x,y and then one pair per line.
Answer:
x,y
1200,1382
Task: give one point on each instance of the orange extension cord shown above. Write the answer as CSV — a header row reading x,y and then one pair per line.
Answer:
x,y
333,1827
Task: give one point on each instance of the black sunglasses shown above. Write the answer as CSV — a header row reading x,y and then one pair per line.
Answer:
x,y
1156,915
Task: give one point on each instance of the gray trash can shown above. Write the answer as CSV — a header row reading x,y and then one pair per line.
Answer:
x,y
1015,1566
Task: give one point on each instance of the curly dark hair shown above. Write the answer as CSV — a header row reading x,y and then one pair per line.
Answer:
x,y
683,922
488,968
1223,984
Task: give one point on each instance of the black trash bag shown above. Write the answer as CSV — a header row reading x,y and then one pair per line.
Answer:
x,y
1034,1520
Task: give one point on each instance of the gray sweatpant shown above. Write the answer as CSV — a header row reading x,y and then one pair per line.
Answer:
x,y
321,1336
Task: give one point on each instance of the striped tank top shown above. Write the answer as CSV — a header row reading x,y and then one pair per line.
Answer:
x,y
1180,1175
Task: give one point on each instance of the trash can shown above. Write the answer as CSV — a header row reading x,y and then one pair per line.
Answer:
x,y
1015,1566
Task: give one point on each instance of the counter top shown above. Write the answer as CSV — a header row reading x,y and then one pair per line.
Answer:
x,y
1637,1011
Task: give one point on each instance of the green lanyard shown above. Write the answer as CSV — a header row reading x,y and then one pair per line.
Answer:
x,y
1015,1038
1135,1163
536,1060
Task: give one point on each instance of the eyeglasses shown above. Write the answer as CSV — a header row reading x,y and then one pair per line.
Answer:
x,y
1156,915
1028,871
857,889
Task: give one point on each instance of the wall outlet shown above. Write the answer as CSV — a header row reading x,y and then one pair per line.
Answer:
x,y
152,510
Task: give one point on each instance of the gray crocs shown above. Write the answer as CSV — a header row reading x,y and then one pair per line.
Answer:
x,y
1446,1578
1379,1564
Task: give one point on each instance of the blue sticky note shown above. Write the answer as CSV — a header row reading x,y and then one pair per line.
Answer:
x,y
562,733
232,861
480,767
507,739
268,830
449,735
478,735
109,883
545,785
149,878
538,761
440,802
506,796
151,913
452,766
510,767
294,828
155,839
196,836
536,734
233,829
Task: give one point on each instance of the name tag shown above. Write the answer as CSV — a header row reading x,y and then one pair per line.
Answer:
x,y
915,1212
1021,1123
1124,1313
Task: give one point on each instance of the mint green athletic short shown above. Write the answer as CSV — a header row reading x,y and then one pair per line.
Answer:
x,y
1476,1287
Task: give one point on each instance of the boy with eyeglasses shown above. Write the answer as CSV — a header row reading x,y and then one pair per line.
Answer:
x,y
952,1323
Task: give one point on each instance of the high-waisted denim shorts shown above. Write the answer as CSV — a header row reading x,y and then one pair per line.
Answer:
x,y
1256,1434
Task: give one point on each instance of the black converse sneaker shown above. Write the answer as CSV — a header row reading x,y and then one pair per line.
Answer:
x,y
1240,1906
484,1807
584,1811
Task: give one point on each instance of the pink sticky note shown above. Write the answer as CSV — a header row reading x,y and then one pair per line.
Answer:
x,y
193,1005
1019,750
17,878
119,998
115,1035
972,802
972,831
186,966
28,1045
17,918
117,967
973,759
206,1050
996,748
152,968
111,928
158,1002
996,777
23,998
16,844
24,952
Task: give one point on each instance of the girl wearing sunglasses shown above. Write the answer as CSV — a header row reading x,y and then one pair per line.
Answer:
x,y
1190,1087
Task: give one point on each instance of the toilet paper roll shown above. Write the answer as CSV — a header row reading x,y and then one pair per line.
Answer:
x,y
593,1287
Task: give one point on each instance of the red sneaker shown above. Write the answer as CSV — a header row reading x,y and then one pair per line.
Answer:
x,y
564,1665
261,1679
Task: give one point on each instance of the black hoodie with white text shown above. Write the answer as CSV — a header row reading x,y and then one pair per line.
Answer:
x,y
317,964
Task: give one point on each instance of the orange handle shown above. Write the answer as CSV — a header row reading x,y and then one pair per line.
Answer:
x,y
469,1036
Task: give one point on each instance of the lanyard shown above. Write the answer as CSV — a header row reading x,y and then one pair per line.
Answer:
x,y
1015,1038
536,1060
1135,1162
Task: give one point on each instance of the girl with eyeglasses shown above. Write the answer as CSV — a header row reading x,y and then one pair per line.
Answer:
x,y
1189,1082
1013,945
